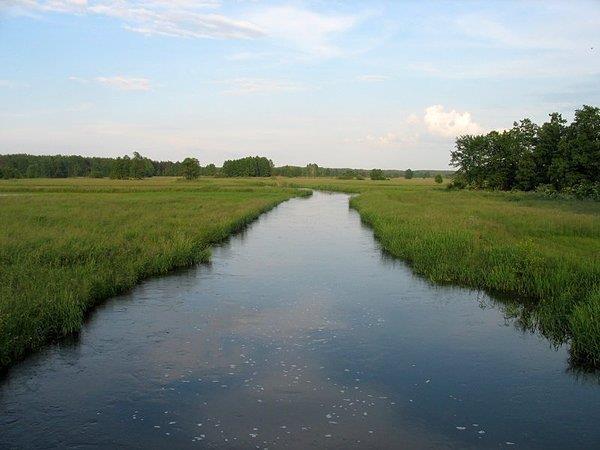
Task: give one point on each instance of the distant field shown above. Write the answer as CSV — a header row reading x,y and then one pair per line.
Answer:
x,y
66,244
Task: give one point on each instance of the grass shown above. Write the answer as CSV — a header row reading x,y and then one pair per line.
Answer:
x,y
65,245
521,244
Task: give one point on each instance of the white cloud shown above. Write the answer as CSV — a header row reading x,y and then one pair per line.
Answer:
x,y
407,134
118,82
242,86
181,18
373,78
125,83
436,123
246,56
449,123
79,80
384,140
309,32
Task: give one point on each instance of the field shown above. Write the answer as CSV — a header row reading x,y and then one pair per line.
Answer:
x,y
66,244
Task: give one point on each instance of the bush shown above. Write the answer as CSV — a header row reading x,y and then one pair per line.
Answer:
x,y
377,174
587,189
457,183
439,179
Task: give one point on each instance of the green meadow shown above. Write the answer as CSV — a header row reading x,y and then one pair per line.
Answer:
x,y
67,244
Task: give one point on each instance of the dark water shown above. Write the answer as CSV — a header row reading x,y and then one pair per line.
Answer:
x,y
300,334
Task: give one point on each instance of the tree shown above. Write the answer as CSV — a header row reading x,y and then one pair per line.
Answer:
x,y
408,174
579,149
527,156
546,151
526,137
120,168
137,166
190,168
312,170
469,156
210,170
439,179
256,166
377,174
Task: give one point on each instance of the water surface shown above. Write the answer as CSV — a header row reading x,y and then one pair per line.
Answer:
x,y
300,334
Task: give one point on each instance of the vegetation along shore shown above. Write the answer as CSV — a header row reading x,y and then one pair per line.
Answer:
x,y
65,245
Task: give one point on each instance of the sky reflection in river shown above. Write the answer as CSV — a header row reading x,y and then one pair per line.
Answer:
x,y
300,334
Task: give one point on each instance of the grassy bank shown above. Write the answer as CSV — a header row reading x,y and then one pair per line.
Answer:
x,y
67,244
520,244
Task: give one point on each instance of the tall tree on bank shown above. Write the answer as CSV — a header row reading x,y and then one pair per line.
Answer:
x,y
527,157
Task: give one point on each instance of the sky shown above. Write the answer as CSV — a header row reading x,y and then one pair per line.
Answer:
x,y
387,84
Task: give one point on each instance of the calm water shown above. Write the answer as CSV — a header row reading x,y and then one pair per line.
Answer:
x,y
300,334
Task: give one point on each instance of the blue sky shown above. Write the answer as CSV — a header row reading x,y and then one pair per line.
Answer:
x,y
339,83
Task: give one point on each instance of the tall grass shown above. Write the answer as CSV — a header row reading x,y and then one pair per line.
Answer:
x,y
63,252
521,244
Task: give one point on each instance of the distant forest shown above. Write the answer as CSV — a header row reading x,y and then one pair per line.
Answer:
x,y
553,158
138,166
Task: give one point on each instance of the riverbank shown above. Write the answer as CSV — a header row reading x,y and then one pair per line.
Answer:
x,y
66,245
518,244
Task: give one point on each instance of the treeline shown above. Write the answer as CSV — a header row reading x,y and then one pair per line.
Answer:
x,y
251,166
555,157
57,166
313,170
63,166
138,166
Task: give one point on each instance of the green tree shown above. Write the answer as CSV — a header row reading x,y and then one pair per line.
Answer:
x,y
439,179
312,170
190,168
250,166
408,174
377,174
137,166
210,170
120,168
33,171
579,149
546,152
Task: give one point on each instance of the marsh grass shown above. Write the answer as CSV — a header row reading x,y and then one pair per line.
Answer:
x,y
520,244
66,246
